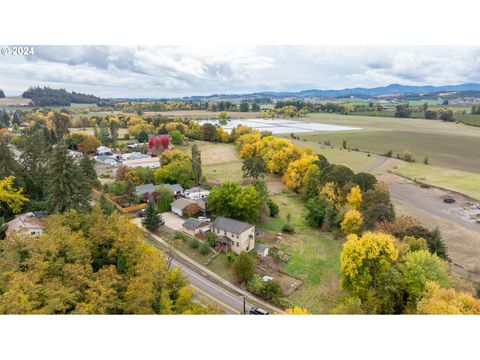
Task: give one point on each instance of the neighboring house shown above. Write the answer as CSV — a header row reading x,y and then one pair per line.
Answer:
x,y
233,235
262,250
74,153
196,193
149,162
196,227
103,150
183,206
25,223
177,189
106,160
147,188
133,156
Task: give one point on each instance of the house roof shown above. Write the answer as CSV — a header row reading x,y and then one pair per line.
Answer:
x,y
174,187
24,221
196,190
193,224
202,204
182,203
147,188
233,226
142,161
261,247
224,239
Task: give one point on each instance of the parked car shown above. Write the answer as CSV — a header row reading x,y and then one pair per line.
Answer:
x,y
448,200
203,218
258,311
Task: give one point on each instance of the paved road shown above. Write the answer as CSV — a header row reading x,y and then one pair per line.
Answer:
x,y
207,288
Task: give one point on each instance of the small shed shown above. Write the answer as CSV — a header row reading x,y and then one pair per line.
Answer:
x,y
262,250
183,206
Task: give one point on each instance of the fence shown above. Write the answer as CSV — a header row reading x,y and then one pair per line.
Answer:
x,y
117,206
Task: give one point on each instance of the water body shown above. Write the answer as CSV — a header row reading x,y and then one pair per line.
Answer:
x,y
279,126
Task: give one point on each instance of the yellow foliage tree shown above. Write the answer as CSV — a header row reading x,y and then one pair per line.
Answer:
x,y
331,193
364,259
354,198
352,222
439,301
11,198
297,311
296,175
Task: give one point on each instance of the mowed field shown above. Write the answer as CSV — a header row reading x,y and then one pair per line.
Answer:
x,y
449,145
204,114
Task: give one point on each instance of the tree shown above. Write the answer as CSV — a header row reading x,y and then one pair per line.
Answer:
x,y
419,268
317,211
88,168
196,164
438,301
234,201
244,106
433,237
177,137
164,199
106,206
403,111
180,172
446,115
377,206
11,199
67,187
365,181
430,114
354,198
243,267
363,260
152,219
272,208
296,175
3,228
352,222
2,94
296,310
88,145
142,136
208,132
254,166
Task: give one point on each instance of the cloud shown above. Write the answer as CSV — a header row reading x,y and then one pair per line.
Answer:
x,y
170,71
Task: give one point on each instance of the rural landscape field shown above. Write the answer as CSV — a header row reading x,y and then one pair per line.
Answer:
x,y
153,200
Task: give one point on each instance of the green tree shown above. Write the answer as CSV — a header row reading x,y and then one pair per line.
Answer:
x,y
208,132
87,165
178,171
177,137
164,199
196,164
3,228
67,187
419,268
152,219
317,211
33,160
142,136
243,267
244,106
254,166
107,206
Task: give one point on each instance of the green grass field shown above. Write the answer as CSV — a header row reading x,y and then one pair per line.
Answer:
x,y
315,256
448,145
464,182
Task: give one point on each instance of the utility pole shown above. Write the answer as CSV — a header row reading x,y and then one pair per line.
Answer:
x,y
244,307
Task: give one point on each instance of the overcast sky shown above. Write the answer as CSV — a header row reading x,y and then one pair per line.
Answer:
x,y
145,71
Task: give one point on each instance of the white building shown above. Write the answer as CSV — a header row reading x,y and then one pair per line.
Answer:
x,y
25,223
196,193
103,150
149,162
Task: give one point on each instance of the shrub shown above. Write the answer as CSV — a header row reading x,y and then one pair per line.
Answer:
x,y
210,238
193,243
272,207
271,290
288,228
230,257
407,155
389,153
180,235
204,248
243,267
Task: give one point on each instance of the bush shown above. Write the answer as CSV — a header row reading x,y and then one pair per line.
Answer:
x,y
230,257
193,243
407,156
180,235
271,290
204,248
272,207
243,267
211,238
288,228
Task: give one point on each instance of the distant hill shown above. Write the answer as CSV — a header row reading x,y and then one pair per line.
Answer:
x,y
2,94
57,97
359,92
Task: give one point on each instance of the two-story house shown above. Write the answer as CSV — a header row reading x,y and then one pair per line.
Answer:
x,y
233,235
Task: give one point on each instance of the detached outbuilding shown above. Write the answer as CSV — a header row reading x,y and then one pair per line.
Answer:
x,y
184,207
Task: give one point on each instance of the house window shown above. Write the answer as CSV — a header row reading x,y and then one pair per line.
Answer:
x,y
238,244
224,233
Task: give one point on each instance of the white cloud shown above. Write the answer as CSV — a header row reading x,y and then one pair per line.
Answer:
x,y
146,71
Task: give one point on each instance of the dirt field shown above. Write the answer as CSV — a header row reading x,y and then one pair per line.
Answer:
x,y
271,266
14,101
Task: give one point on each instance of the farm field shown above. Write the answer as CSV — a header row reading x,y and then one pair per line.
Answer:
x,y
463,182
449,145
204,114
315,256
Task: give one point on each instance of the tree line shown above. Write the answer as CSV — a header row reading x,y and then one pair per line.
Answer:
x,y
57,97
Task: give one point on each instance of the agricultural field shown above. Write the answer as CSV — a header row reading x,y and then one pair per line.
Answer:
x,y
460,181
314,255
449,145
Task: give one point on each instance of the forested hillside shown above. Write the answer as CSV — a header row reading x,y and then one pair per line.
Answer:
x,y
52,97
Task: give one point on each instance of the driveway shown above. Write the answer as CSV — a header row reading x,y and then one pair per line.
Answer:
x,y
172,220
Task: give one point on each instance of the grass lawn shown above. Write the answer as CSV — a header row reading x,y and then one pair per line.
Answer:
x,y
221,266
315,256
449,145
355,160
464,182
183,247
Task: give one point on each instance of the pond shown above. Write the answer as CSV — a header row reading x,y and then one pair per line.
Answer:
x,y
279,126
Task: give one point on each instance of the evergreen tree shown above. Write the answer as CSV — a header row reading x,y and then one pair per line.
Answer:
x,y
33,160
88,167
67,188
16,119
197,163
4,119
130,196
106,205
254,166
8,164
3,228
152,219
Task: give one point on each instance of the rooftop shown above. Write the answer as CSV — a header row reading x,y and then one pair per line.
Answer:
x,y
147,188
193,224
233,226
24,221
182,203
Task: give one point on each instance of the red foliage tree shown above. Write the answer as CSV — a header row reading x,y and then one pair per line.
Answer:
x,y
165,141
